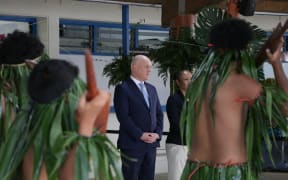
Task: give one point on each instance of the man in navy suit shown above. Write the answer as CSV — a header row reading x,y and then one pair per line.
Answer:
x,y
141,121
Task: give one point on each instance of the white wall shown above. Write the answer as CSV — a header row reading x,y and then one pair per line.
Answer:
x,y
266,22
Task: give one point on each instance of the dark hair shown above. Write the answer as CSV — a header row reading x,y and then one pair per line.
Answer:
x,y
50,79
178,74
231,34
18,47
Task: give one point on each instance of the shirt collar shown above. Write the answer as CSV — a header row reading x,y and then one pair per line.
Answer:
x,y
136,81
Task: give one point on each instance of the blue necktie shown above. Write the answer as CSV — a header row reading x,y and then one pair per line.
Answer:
x,y
144,92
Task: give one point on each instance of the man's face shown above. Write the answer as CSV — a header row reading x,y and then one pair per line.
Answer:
x,y
141,69
184,80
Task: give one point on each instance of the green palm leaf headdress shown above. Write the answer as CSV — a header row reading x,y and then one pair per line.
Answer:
x,y
229,40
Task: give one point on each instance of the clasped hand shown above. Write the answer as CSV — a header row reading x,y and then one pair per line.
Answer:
x,y
148,137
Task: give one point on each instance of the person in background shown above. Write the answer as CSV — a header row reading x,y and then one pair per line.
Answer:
x,y
176,148
139,113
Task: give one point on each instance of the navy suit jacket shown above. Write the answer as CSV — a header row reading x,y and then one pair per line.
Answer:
x,y
134,115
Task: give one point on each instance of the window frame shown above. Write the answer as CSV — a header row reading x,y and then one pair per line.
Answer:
x,y
146,27
94,25
32,21
97,24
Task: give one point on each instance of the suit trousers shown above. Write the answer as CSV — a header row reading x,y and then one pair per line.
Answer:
x,y
140,165
177,157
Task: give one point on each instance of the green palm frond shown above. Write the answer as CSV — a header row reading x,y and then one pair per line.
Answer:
x,y
13,83
104,154
260,119
260,37
14,147
207,18
118,70
176,55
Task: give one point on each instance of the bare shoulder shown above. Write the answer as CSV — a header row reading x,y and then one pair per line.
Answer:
x,y
247,80
245,86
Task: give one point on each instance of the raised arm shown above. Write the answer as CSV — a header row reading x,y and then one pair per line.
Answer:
x,y
275,60
272,43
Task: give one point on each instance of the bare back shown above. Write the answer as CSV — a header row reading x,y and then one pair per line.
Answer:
x,y
222,140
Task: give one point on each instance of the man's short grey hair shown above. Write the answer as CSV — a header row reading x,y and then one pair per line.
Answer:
x,y
138,57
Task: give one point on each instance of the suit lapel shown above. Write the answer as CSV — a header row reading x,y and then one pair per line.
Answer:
x,y
135,90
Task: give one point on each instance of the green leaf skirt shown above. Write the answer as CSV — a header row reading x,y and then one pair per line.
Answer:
x,y
204,171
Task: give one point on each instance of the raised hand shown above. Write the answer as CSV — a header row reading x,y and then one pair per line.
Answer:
x,y
272,43
88,112
275,56
93,91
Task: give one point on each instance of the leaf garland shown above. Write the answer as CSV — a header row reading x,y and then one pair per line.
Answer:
x,y
104,155
13,148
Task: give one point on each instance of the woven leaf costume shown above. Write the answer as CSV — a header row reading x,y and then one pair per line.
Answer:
x,y
51,130
57,132
15,49
259,117
14,109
